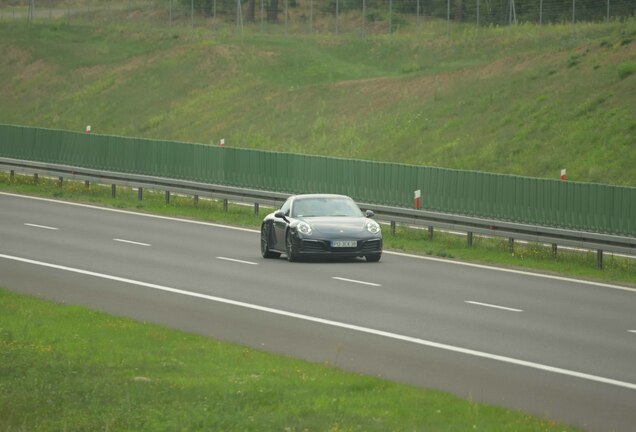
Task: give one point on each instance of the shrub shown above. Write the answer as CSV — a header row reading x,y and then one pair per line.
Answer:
x,y
626,69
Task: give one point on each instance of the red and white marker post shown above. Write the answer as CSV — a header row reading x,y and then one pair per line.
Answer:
x,y
417,199
222,142
563,177
88,129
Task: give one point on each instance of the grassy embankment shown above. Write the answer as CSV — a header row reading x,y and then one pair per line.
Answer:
x,y
68,368
525,100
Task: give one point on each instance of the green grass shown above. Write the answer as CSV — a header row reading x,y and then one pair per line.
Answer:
x,y
69,368
493,251
525,100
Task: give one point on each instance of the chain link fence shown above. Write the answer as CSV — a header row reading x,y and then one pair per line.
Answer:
x,y
317,16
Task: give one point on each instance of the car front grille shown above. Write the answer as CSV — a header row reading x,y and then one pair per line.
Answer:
x,y
314,246
318,246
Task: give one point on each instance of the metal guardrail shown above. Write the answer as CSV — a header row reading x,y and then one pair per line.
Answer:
x,y
471,225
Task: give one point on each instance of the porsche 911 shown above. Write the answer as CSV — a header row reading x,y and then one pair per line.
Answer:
x,y
321,226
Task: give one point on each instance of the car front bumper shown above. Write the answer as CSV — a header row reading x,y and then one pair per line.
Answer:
x,y
323,248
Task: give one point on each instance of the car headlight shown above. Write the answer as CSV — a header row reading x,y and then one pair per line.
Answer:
x,y
373,227
304,228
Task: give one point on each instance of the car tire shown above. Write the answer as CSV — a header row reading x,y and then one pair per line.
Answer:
x,y
265,252
292,255
373,258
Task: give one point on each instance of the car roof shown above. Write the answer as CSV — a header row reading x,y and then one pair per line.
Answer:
x,y
302,196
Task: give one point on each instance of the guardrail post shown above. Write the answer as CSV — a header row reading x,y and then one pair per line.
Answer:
x,y
224,205
12,176
36,179
113,191
140,193
554,249
167,197
469,239
87,184
60,181
511,245
393,228
255,209
430,233
196,200
599,259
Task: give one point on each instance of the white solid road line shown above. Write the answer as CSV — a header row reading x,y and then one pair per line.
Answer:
x,y
128,212
237,260
352,327
41,226
356,281
131,242
493,306
506,270
632,331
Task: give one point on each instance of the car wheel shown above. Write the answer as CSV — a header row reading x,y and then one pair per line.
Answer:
x,y
373,258
265,245
292,255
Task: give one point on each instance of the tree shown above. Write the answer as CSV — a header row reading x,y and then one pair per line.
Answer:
x,y
272,11
251,11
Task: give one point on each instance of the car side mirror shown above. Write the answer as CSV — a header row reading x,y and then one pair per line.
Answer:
x,y
369,213
281,215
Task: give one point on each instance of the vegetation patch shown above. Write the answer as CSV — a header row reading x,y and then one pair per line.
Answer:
x,y
626,69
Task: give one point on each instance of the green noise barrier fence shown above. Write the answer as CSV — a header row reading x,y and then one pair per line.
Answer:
x,y
573,205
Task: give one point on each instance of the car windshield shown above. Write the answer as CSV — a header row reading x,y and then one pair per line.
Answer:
x,y
315,207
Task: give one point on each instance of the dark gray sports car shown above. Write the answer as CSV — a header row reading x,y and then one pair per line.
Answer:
x,y
317,225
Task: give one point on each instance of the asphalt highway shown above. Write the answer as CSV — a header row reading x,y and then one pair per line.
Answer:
x,y
555,347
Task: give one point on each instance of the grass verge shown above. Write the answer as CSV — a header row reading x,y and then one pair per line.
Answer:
x,y
493,251
69,368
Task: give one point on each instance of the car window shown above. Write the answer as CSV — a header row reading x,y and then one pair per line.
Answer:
x,y
344,207
303,208
315,207
285,207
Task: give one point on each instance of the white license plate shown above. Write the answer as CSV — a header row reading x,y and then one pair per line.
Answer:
x,y
344,244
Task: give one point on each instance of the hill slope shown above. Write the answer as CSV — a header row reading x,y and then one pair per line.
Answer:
x,y
522,100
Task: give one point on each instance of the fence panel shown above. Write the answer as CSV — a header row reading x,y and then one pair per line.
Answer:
x,y
313,17
582,206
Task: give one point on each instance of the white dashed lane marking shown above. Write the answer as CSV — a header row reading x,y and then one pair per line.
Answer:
x,y
237,261
41,226
356,281
509,309
131,242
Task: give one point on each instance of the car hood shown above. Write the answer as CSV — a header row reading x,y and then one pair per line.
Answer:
x,y
338,226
